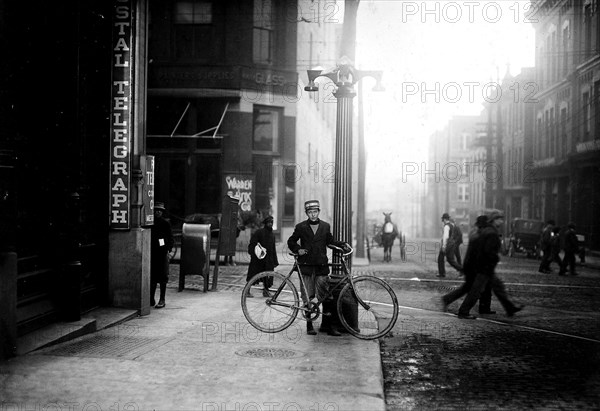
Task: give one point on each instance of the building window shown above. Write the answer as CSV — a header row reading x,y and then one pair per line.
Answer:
x,y
463,192
538,143
263,32
267,171
552,134
587,23
563,131
547,135
266,129
289,198
597,107
554,57
565,50
193,12
464,143
193,30
585,116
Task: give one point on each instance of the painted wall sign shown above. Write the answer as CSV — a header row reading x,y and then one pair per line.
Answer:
x,y
227,77
121,115
241,187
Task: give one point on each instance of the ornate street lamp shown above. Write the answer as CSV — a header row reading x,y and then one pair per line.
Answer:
x,y
344,75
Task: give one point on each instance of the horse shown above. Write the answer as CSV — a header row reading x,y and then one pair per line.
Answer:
x,y
389,232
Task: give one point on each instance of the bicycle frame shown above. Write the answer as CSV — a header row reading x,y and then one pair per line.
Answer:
x,y
345,279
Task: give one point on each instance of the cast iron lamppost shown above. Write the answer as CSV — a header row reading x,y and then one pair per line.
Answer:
x,y
344,75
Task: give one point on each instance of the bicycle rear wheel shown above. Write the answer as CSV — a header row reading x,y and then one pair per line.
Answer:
x,y
377,317
276,312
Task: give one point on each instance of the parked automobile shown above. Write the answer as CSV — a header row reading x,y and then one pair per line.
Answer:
x,y
524,237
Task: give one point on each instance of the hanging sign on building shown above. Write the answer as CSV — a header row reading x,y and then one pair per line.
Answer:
x,y
241,187
121,115
148,192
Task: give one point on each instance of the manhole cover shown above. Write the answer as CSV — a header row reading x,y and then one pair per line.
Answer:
x,y
269,353
106,346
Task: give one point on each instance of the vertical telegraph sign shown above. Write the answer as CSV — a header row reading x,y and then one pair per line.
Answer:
x,y
121,115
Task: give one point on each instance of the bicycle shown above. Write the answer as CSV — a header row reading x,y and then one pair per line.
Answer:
x,y
366,305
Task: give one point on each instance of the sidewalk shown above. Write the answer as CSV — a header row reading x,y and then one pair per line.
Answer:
x,y
197,353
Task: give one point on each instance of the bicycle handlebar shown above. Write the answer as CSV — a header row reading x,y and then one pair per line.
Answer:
x,y
335,248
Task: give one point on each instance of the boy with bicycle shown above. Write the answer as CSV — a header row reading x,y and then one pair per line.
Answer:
x,y
314,236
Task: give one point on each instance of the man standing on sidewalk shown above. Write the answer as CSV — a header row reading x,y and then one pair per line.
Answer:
x,y
263,255
161,238
488,248
448,247
314,236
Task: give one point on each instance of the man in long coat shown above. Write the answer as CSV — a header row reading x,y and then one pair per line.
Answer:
x,y
267,261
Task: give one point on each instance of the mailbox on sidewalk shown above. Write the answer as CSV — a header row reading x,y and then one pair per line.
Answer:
x,y
195,253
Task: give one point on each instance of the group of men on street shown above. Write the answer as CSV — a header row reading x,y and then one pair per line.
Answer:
x,y
552,240
479,266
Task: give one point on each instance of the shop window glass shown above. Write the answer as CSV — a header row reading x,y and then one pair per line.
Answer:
x,y
290,190
267,172
266,129
193,12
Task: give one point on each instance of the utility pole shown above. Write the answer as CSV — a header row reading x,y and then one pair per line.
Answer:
x,y
449,137
499,192
489,178
361,198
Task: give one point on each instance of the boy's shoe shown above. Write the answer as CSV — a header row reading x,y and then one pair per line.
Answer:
x,y
160,304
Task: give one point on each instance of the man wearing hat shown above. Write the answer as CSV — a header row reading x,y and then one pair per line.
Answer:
x,y
546,246
487,249
263,255
449,247
161,243
470,270
571,247
314,235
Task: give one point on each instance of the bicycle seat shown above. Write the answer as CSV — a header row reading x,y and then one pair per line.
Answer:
x,y
346,250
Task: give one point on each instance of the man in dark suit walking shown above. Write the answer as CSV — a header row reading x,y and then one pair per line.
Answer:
x,y
314,236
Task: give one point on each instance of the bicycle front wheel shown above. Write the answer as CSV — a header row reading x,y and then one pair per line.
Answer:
x,y
375,314
273,313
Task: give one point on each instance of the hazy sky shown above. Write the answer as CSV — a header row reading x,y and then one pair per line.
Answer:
x,y
438,58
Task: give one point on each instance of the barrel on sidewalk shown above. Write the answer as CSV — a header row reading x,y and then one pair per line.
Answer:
x,y
195,253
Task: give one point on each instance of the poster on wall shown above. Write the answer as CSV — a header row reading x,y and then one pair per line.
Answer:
x,y
241,187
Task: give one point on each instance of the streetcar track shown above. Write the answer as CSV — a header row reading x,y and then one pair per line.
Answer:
x,y
459,280
524,327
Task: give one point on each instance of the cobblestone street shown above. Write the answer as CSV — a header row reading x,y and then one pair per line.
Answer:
x,y
546,357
